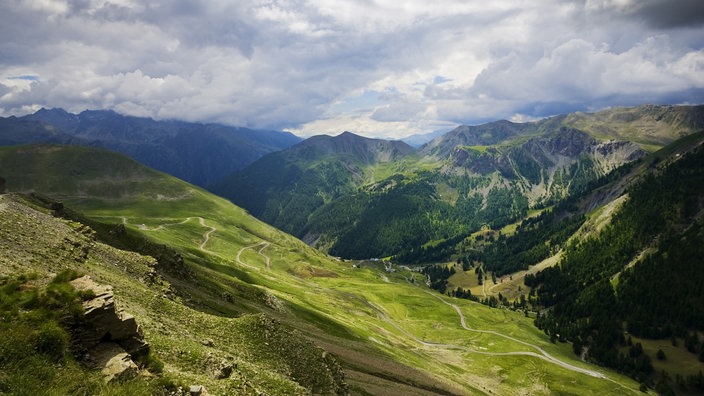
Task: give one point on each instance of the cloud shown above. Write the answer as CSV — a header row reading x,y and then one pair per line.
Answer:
x,y
577,73
660,14
325,66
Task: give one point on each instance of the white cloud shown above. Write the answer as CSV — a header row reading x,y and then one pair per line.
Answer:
x,y
325,66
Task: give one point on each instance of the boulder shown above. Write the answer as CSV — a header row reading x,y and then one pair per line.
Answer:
x,y
225,370
104,323
197,390
111,338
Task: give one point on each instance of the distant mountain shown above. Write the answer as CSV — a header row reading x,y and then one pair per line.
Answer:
x,y
418,205
285,187
16,131
353,147
420,139
198,153
649,126
480,135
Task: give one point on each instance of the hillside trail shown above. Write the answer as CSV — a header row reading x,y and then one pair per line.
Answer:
x,y
206,235
263,245
201,221
543,354
206,238
144,227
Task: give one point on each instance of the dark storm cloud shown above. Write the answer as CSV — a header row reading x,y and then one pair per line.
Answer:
x,y
668,14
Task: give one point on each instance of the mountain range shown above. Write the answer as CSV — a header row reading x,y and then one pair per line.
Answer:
x,y
198,153
418,204
561,256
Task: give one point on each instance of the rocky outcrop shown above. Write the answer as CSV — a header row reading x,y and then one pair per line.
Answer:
x,y
112,338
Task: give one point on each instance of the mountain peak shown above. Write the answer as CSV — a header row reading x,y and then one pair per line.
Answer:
x,y
364,149
53,111
57,117
351,136
475,135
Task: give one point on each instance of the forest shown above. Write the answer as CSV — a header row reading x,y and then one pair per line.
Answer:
x,y
602,282
640,276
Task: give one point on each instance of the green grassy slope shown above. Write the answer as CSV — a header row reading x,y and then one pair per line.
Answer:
x,y
261,297
650,126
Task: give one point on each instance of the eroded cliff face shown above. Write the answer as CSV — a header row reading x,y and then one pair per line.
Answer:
x,y
545,167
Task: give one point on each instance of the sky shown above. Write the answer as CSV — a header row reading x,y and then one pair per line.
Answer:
x,y
377,68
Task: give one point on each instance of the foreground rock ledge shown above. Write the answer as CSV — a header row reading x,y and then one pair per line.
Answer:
x,y
112,338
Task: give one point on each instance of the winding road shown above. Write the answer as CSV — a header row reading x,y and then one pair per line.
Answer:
x,y
542,355
263,245
206,236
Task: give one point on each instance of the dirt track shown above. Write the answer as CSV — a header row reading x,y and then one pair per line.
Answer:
x,y
542,355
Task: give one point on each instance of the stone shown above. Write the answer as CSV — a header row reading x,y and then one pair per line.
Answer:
x,y
102,321
197,390
115,364
225,371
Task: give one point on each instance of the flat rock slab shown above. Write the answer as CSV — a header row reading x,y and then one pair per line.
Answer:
x,y
115,364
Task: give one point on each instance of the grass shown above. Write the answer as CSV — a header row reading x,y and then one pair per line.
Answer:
x,y
677,358
36,352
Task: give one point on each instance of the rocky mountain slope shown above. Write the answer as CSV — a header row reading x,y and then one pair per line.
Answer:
x,y
479,135
649,126
180,337
549,167
198,153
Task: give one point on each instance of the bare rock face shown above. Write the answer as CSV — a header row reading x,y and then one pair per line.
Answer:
x,y
111,337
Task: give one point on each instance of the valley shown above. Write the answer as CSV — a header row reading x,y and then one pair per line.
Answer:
x,y
386,336
259,248
530,246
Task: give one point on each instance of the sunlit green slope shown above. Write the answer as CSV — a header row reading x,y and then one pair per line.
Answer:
x,y
242,287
